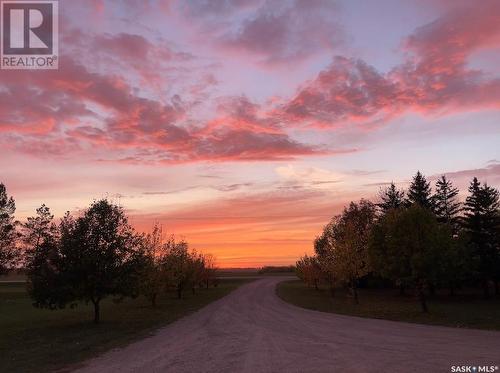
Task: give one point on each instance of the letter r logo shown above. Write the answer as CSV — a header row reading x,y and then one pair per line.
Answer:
x,y
18,29
29,27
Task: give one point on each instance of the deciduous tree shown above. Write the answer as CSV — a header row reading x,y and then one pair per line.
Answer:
x,y
209,270
326,258
178,266
88,259
309,271
154,279
46,284
408,245
342,248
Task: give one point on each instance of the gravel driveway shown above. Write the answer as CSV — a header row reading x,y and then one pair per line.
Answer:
x,y
252,330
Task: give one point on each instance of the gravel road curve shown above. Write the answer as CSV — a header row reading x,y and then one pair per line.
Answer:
x,y
252,330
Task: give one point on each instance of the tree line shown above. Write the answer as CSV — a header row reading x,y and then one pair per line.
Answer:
x,y
415,239
96,255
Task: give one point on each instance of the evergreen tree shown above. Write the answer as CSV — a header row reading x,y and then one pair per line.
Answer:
x,y
481,222
420,192
8,235
447,206
390,198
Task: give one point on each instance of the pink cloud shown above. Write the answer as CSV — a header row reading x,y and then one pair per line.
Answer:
x,y
127,126
434,79
347,90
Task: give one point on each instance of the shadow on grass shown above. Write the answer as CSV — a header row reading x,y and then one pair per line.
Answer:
x,y
466,310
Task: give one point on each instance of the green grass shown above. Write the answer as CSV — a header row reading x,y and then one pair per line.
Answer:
x,y
467,310
35,340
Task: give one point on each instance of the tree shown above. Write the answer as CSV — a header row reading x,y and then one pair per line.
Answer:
x,y
390,198
389,261
447,206
457,263
420,192
481,223
8,234
39,228
325,258
347,243
308,270
102,255
408,245
209,270
153,279
87,259
196,268
178,265
46,286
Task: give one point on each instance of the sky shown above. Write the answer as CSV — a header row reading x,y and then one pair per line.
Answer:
x,y
245,125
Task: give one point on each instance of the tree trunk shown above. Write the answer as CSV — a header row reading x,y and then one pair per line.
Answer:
x,y
97,311
208,284
153,300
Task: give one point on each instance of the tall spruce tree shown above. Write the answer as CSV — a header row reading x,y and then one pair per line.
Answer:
x,y
481,222
8,235
446,204
390,198
420,192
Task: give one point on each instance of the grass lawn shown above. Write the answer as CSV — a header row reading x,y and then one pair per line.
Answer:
x,y
35,340
467,310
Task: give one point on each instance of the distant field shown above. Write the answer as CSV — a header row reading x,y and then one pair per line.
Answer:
x,y
34,340
249,272
466,310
